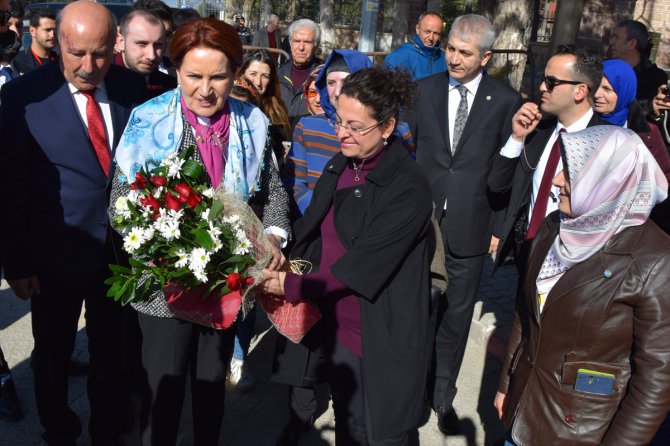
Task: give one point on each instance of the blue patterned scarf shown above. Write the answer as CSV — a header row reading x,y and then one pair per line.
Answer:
x,y
155,131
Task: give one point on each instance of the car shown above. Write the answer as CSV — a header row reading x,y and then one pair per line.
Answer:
x,y
118,8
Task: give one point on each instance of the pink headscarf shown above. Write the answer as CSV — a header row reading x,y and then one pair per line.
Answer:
x,y
615,182
212,140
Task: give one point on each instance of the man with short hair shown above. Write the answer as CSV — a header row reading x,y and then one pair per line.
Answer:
x,y
630,42
461,120
571,77
162,11
304,36
243,31
422,56
269,36
60,124
141,39
43,32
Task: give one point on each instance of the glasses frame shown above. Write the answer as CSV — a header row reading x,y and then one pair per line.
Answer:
x,y
352,131
552,82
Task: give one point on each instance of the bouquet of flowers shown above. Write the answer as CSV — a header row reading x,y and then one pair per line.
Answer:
x,y
195,252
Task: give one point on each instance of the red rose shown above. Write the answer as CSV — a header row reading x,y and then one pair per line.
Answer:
x,y
150,201
184,191
140,182
249,281
193,200
172,202
158,181
234,281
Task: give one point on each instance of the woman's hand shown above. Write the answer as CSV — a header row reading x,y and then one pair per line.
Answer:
x,y
274,282
499,403
278,259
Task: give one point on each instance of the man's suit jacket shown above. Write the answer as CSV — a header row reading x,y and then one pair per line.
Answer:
x,y
55,209
517,174
261,38
461,179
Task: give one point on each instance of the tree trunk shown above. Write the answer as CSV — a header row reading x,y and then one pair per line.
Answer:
x,y
513,21
566,26
431,5
264,10
400,14
327,19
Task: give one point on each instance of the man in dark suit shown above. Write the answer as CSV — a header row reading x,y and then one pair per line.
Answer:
x,y
61,123
461,120
571,78
142,42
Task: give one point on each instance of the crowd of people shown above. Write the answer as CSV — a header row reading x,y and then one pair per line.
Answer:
x,y
394,182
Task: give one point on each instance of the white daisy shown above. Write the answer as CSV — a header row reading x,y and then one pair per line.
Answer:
x,y
133,240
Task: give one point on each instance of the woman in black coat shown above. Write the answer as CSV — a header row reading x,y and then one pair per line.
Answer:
x,y
366,233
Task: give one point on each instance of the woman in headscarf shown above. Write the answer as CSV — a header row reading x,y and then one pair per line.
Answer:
x,y
587,360
616,104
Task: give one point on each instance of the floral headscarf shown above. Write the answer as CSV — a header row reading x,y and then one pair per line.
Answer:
x,y
615,182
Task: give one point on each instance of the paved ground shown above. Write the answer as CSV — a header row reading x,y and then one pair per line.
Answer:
x,y
257,418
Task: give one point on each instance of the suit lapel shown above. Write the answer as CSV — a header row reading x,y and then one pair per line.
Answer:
x,y
118,113
440,93
64,107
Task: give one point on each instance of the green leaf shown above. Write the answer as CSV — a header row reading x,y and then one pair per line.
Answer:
x,y
215,210
137,264
192,169
187,153
203,238
119,268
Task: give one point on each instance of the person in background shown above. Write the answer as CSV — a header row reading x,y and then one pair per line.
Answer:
x,y
207,54
15,22
164,13
587,359
304,36
259,68
422,56
269,36
41,51
183,15
9,48
315,140
615,102
630,42
312,95
243,30
141,41
366,234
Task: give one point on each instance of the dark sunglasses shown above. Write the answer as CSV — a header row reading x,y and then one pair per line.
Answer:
x,y
551,82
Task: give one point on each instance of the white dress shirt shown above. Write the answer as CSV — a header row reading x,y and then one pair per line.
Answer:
x,y
455,99
513,148
101,97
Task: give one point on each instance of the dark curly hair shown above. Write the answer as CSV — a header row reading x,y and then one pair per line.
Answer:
x,y
383,90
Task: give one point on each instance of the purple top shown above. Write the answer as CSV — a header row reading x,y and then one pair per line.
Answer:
x,y
342,304
298,77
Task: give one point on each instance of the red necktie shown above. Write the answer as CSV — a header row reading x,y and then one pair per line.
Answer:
x,y
542,198
96,130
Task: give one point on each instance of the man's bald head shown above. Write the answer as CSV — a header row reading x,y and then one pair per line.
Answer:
x,y
86,35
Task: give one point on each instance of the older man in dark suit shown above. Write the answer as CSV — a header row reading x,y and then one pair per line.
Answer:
x,y
62,122
462,119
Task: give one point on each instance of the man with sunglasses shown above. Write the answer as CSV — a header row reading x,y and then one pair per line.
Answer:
x,y
529,160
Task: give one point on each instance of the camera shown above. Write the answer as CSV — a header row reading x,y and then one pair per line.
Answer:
x,y
666,92
4,17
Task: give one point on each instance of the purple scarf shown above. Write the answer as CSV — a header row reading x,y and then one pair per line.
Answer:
x,y
212,140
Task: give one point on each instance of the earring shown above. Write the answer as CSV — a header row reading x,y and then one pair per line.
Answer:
x,y
385,141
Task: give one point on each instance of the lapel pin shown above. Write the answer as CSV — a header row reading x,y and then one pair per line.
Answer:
x,y
488,98
607,273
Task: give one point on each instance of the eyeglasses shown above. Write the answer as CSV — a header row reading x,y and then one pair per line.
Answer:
x,y
353,130
312,94
551,82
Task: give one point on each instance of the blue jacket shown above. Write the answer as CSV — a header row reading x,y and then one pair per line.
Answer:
x,y
417,58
